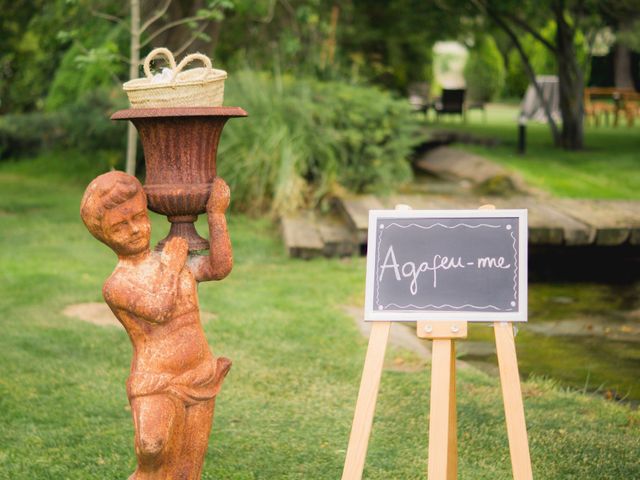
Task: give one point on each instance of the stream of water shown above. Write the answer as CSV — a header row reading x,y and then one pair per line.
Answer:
x,y
584,322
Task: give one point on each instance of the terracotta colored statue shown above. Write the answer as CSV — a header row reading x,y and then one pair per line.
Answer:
x,y
174,377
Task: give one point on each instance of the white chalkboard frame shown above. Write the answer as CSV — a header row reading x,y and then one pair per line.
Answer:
x,y
519,315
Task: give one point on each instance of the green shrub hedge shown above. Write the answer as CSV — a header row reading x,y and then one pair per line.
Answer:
x,y
83,125
305,139
26,134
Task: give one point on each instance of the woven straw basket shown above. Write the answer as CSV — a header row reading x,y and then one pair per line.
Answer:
x,y
196,87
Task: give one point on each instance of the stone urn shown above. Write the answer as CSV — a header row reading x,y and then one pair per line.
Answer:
x,y
180,149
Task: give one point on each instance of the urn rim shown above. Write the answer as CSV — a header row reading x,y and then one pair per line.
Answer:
x,y
135,113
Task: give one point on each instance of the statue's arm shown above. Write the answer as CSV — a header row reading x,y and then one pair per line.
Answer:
x,y
155,303
219,262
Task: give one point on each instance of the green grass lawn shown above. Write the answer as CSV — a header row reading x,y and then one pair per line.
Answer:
x,y
608,167
286,407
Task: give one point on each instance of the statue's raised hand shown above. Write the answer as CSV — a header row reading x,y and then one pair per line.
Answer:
x,y
174,254
219,262
220,196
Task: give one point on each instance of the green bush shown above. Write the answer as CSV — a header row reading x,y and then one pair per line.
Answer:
x,y
517,80
541,58
305,139
83,125
87,121
81,72
372,133
542,61
484,71
26,134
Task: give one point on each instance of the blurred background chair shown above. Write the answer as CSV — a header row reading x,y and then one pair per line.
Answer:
x,y
451,103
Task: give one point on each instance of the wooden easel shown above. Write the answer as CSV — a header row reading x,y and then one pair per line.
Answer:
x,y
443,444
443,441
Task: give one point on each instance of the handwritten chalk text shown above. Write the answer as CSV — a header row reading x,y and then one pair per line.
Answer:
x,y
413,270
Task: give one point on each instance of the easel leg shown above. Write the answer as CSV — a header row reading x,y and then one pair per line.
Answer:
x,y
442,418
513,405
366,404
452,460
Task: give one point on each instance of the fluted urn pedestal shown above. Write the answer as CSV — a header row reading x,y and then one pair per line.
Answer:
x,y
180,151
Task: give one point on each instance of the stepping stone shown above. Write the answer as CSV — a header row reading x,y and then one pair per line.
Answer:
x,y
452,163
301,238
338,239
356,212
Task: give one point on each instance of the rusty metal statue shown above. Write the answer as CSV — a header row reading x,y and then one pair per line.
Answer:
x,y
174,377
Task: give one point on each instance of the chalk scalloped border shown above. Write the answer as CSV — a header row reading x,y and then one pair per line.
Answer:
x,y
446,305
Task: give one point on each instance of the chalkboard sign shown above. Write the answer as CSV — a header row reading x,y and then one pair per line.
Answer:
x,y
447,265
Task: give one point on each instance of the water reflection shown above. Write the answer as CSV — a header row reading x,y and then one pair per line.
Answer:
x,y
584,321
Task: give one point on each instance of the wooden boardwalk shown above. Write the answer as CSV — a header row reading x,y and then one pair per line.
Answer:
x,y
552,221
557,222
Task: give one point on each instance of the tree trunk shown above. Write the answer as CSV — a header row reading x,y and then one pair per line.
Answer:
x,y
622,67
132,136
571,83
557,140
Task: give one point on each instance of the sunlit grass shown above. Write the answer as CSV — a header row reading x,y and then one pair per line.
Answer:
x,y
608,167
286,408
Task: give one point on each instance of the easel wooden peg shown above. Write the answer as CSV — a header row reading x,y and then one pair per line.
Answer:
x,y
443,438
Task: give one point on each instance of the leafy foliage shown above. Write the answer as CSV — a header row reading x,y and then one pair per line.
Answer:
x,y
34,36
25,134
303,140
306,138
542,59
516,79
83,125
484,71
87,124
82,71
386,43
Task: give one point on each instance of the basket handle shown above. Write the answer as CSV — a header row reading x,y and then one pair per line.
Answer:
x,y
154,53
190,58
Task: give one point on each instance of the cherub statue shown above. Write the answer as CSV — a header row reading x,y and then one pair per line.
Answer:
x,y
174,377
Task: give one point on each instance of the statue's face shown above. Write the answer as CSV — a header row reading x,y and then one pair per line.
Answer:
x,y
126,227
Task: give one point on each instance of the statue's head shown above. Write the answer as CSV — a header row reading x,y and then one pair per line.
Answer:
x,y
114,209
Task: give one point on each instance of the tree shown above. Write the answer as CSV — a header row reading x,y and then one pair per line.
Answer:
x,y
193,15
623,16
484,71
30,49
394,40
569,16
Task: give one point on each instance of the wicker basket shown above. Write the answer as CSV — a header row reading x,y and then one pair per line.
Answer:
x,y
196,87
